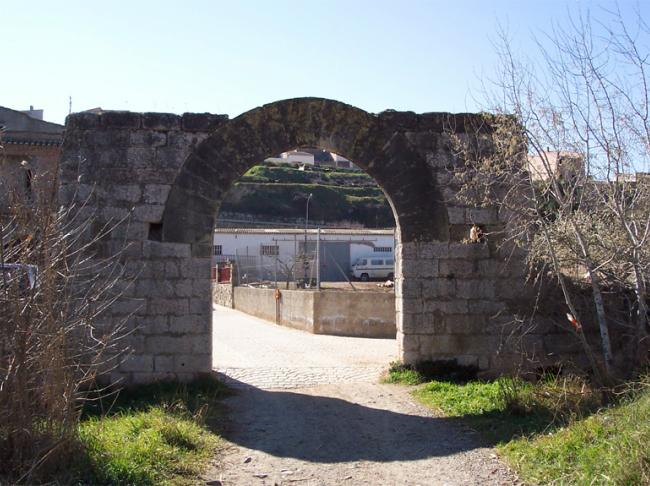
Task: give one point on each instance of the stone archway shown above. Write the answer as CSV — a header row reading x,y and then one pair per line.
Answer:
x,y
372,142
376,144
169,173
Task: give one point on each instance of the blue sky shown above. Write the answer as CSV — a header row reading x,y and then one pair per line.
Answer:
x,y
231,56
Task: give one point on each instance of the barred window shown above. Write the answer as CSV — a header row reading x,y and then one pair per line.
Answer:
x,y
269,250
217,250
383,249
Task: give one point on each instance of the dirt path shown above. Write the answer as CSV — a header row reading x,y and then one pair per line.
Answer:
x,y
344,433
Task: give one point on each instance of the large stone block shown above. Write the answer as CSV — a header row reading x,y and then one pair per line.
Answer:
x,y
456,215
457,306
155,325
193,363
469,251
201,306
421,323
176,307
137,362
482,216
190,324
486,307
161,121
168,344
163,363
125,306
148,138
456,268
149,213
434,288
155,193
156,249
475,289
466,324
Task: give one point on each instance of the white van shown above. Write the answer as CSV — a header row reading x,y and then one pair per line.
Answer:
x,y
371,267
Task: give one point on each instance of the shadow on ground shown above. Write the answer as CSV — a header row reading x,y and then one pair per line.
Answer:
x,y
331,430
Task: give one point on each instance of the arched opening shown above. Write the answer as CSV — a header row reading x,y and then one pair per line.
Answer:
x,y
303,244
370,141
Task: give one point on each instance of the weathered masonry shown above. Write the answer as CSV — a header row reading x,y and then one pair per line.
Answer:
x,y
168,175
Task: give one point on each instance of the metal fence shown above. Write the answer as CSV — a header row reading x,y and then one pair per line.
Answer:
x,y
253,267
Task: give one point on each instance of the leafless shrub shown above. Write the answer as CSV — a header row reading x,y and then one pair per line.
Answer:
x,y
53,290
570,148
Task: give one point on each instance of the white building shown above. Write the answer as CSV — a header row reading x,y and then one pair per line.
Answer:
x,y
295,157
271,253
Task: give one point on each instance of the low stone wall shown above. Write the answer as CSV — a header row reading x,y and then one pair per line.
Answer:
x,y
222,294
360,314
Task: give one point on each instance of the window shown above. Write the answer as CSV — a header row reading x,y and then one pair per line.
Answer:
x,y
389,262
217,250
269,250
382,249
362,261
377,262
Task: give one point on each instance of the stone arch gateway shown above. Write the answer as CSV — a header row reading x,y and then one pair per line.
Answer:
x,y
167,174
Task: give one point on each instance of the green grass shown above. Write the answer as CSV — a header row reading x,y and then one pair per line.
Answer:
x,y
427,371
501,410
157,434
404,376
610,447
554,431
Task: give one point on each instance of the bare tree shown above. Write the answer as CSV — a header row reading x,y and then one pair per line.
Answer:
x,y
570,142
53,343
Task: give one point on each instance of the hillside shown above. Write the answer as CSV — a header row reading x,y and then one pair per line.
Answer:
x,y
279,193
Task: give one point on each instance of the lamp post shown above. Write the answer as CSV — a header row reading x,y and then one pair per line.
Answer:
x,y
306,265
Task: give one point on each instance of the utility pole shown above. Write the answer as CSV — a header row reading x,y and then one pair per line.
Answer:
x,y
318,259
306,264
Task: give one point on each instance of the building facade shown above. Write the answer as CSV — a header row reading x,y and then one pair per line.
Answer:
x,y
30,149
269,254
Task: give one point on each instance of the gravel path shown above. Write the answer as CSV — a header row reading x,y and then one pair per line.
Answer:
x,y
348,429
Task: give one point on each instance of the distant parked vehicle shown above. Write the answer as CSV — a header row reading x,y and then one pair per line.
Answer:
x,y
373,267
21,274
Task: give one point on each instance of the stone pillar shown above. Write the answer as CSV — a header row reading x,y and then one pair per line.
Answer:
x,y
121,166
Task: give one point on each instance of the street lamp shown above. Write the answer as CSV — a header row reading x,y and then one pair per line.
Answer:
x,y
306,265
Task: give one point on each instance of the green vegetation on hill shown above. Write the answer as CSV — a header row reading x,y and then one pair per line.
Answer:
x,y
280,192
285,173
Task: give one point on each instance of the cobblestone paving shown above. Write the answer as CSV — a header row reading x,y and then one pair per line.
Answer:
x,y
252,352
268,378
310,412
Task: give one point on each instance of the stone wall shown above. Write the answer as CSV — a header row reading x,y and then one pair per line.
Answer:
x,y
222,294
167,175
126,164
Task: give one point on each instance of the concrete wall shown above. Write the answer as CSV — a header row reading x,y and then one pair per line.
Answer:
x,y
294,309
361,314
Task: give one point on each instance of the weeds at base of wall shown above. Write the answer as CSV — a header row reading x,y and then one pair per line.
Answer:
x,y
425,371
164,433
